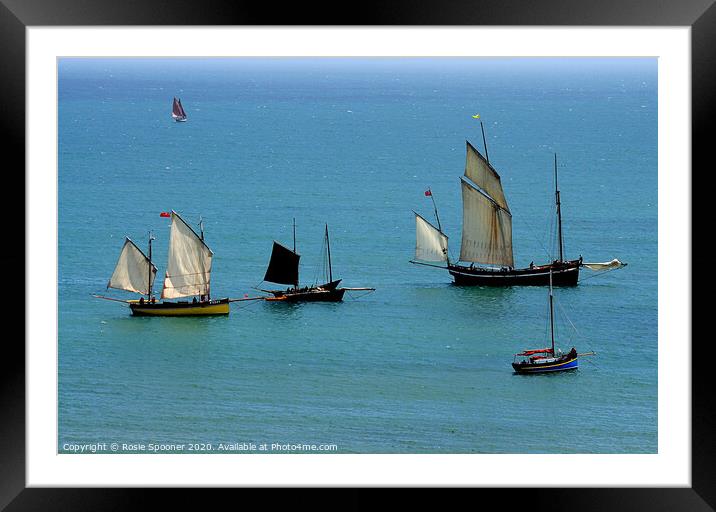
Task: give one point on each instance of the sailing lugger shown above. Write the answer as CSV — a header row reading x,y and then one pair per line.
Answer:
x,y
188,274
283,269
487,236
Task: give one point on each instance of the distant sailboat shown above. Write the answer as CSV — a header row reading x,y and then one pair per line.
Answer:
x,y
188,274
283,269
487,236
178,111
544,360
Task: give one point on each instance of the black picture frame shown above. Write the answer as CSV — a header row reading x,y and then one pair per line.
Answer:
x,y
16,15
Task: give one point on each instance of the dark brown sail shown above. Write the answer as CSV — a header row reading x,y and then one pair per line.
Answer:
x,y
283,267
178,111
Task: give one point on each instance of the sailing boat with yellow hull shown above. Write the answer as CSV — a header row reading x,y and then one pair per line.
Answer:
x,y
188,274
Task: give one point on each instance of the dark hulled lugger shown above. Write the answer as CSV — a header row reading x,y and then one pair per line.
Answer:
x,y
283,269
486,257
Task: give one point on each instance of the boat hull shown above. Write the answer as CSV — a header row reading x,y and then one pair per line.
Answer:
x,y
206,308
564,364
310,295
563,274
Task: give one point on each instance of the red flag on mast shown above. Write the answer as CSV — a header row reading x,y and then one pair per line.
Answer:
x,y
165,214
428,193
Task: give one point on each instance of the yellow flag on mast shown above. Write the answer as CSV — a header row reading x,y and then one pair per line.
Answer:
x,y
476,116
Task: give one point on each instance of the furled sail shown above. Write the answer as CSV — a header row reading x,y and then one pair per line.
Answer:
x,y
484,176
486,229
607,265
133,272
283,267
189,266
430,243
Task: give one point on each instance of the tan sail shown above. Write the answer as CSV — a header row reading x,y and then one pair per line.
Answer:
x,y
189,266
481,173
430,243
486,229
133,272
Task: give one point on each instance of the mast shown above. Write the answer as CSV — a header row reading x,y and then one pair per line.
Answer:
x,y
559,210
328,247
484,142
201,230
294,247
435,207
551,310
149,287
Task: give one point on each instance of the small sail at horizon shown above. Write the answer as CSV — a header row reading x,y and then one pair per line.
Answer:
x,y
189,263
283,266
132,272
178,110
430,243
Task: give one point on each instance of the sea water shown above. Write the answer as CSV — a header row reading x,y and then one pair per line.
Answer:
x,y
418,366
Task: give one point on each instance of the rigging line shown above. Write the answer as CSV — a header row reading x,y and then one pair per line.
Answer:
x,y
256,286
532,232
191,274
592,362
350,296
564,313
185,285
578,334
320,270
548,232
251,303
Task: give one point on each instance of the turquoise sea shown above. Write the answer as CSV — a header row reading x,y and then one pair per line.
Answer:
x,y
418,366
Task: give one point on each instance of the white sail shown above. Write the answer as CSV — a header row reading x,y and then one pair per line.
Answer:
x,y
189,266
430,243
484,176
133,272
486,230
607,265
